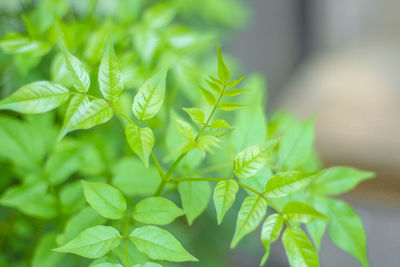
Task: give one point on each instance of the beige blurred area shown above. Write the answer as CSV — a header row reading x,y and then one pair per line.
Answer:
x,y
355,93
351,80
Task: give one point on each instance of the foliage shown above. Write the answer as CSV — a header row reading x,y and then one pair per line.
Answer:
x,y
99,194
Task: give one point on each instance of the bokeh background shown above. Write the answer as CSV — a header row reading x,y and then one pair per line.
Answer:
x,y
338,59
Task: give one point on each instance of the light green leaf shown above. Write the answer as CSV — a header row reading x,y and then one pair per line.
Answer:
x,y
285,183
230,106
31,200
150,97
185,129
80,77
159,244
220,124
296,145
196,115
94,242
235,82
89,115
224,197
299,249
141,140
110,76
209,97
75,111
223,72
208,142
215,87
316,229
235,92
133,178
338,180
346,230
15,43
105,199
44,257
156,210
195,197
36,97
252,159
251,213
270,232
87,217
301,212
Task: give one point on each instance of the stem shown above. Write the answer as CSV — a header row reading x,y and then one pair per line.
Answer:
x,y
160,170
126,240
160,187
183,179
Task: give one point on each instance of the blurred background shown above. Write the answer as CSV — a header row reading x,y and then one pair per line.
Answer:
x,y
338,59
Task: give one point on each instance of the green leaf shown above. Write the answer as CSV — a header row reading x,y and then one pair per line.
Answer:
x,y
75,111
270,232
44,257
301,212
110,76
133,178
87,217
230,106
220,124
94,242
195,197
209,97
223,71
159,244
224,197
196,115
346,230
156,210
299,249
208,142
251,213
185,129
235,92
235,82
36,97
80,77
105,199
338,180
88,115
252,159
285,183
15,43
150,97
214,87
31,200
141,140
296,145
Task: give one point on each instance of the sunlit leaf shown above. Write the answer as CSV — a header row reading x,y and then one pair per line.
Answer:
x,y
270,232
156,210
196,115
285,183
141,140
301,212
224,197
